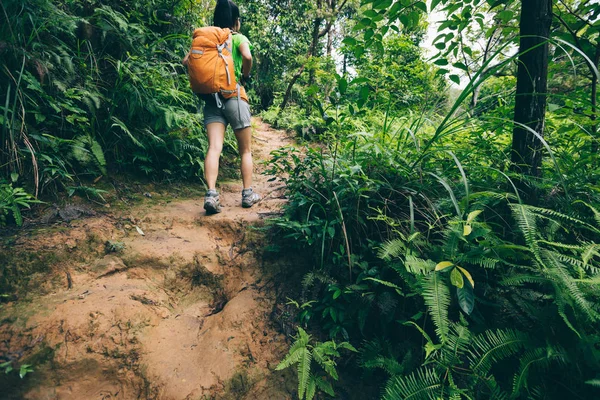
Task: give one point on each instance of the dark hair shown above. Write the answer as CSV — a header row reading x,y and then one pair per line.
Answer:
x,y
226,14
235,12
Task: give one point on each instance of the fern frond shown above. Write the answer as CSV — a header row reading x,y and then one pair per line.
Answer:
x,y
418,266
575,262
527,222
303,371
593,382
594,210
556,215
540,358
311,388
390,365
324,386
16,212
493,346
590,252
561,305
98,153
562,276
422,384
312,277
562,245
392,249
295,353
290,359
520,279
485,262
437,298
377,355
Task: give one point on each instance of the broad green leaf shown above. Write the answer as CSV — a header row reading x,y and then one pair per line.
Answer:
x,y
342,85
382,4
364,92
434,4
455,78
472,215
468,275
443,265
505,15
466,299
421,6
456,278
350,41
467,229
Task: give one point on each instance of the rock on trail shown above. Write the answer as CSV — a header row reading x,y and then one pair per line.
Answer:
x,y
182,312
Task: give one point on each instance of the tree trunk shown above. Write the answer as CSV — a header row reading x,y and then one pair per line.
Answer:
x,y
532,82
311,52
474,97
330,41
594,116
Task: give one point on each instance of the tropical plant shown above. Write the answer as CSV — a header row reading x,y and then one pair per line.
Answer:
x,y
12,201
302,353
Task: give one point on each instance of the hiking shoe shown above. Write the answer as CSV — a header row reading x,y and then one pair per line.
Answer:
x,y
249,198
211,202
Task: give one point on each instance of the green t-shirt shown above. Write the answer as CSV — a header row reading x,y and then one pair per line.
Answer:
x,y
236,40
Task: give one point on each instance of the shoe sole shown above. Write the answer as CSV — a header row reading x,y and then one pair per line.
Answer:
x,y
211,208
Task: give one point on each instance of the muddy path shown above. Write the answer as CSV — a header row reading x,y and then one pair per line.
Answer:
x,y
155,301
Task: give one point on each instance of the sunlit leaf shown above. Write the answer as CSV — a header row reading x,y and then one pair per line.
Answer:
x,y
443,265
468,275
456,278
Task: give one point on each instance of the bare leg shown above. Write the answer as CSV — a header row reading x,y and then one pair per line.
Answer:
x,y
216,136
244,139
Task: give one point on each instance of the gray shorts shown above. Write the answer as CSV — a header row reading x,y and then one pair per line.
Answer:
x,y
236,113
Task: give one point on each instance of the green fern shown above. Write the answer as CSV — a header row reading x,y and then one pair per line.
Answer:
x,y
540,358
304,375
302,353
418,266
527,222
392,249
493,346
87,151
437,298
422,384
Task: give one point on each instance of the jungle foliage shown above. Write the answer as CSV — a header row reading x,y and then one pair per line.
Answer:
x,y
456,270
90,87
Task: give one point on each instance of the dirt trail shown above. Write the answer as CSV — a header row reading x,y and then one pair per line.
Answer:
x,y
182,312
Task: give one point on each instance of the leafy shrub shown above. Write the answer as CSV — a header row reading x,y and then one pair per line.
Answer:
x,y
415,244
302,353
12,201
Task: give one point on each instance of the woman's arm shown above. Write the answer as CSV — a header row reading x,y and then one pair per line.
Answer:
x,y
246,59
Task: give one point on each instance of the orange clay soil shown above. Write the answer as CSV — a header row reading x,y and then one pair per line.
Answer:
x,y
181,312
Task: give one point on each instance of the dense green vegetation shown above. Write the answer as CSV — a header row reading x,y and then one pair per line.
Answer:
x,y
90,87
454,233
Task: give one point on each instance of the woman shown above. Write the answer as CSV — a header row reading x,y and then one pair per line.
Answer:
x,y
235,111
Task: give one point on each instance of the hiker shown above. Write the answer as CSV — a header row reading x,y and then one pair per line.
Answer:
x,y
225,106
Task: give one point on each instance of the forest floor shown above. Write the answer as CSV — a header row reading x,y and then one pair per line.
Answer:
x,y
152,300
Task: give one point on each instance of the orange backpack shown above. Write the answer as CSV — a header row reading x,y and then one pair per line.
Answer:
x,y
210,64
